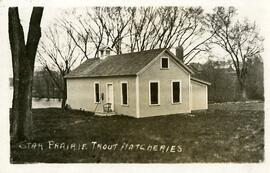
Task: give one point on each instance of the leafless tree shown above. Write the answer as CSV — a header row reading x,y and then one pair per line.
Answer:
x,y
23,59
142,29
86,33
57,52
169,27
115,21
241,41
136,29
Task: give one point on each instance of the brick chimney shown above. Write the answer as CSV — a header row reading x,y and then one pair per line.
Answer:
x,y
104,52
179,52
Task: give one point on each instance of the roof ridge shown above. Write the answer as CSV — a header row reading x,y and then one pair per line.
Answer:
x,y
139,52
130,53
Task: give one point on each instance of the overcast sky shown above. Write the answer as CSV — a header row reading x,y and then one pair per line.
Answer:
x,y
253,11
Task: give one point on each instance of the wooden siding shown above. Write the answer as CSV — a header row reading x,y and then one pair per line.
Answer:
x,y
165,76
80,94
199,96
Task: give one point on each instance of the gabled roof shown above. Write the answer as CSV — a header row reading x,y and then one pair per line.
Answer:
x,y
119,65
84,69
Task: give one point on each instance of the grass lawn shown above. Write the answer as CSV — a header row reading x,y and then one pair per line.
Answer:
x,y
224,133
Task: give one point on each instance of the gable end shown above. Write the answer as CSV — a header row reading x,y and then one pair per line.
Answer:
x,y
172,58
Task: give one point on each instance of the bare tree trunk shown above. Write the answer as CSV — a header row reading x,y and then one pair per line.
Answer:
x,y
64,94
47,82
62,88
17,46
23,58
242,93
53,89
25,100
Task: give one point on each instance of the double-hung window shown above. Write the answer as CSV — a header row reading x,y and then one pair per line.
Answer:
x,y
154,93
97,92
176,91
164,63
124,93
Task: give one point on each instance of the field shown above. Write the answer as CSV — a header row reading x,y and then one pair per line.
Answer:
x,y
228,132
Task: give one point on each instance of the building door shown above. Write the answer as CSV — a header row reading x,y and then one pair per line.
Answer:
x,y
109,95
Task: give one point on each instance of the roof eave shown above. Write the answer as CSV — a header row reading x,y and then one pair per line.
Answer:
x,y
200,81
97,76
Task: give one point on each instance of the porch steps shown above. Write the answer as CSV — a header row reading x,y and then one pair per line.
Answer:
x,y
105,113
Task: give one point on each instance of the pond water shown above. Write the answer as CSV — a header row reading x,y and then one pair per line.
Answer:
x,y
39,103
46,103
43,103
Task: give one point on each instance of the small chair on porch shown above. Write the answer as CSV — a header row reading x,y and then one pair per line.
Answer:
x,y
107,107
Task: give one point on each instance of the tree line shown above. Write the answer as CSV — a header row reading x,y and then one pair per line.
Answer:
x,y
223,78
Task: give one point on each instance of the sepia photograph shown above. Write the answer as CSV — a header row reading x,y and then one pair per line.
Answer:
x,y
143,84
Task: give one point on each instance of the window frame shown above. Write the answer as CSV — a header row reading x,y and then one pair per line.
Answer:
x,y
164,68
99,94
149,92
180,91
121,91
107,52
